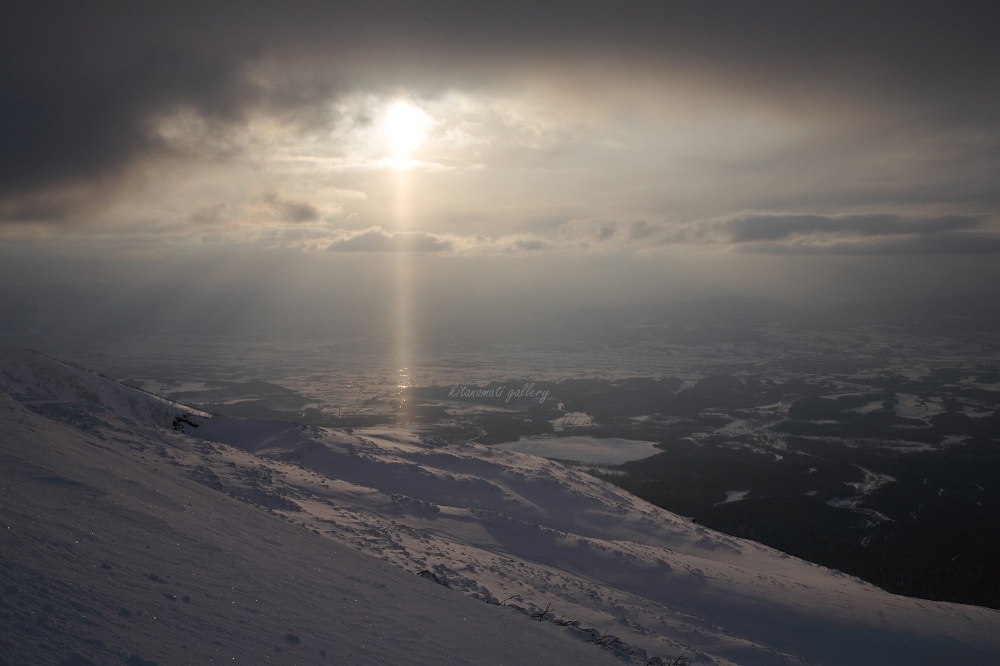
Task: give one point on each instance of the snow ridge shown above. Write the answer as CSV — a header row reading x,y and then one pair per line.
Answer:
x,y
32,377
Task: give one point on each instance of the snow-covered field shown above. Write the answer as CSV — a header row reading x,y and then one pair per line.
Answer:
x,y
582,448
243,541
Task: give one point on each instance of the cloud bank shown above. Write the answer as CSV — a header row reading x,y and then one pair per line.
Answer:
x,y
651,133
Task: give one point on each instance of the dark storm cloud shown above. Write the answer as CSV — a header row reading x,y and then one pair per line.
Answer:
x,y
377,240
753,228
79,91
82,84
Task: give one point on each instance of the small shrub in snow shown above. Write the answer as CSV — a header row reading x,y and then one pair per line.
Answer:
x,y
434,577
541,614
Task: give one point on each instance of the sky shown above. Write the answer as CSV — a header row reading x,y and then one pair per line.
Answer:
x,y
456,157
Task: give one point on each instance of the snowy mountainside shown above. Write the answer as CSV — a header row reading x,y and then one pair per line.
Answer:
x,y
258,531
501,525
111,553
35,378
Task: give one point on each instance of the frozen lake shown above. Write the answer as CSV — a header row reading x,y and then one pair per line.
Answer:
x,y
610,450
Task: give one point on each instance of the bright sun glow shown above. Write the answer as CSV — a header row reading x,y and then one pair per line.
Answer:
x,y
406,129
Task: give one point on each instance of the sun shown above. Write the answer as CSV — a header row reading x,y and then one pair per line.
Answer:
x,y
406,128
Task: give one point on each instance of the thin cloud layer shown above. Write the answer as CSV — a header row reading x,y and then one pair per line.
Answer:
x,y
863,234
776,227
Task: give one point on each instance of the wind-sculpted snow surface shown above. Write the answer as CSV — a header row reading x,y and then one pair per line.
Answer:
x,y
119,549
506,526
383,546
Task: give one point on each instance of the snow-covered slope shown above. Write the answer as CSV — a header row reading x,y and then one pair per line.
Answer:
x,y
257,530
110,553
40,380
